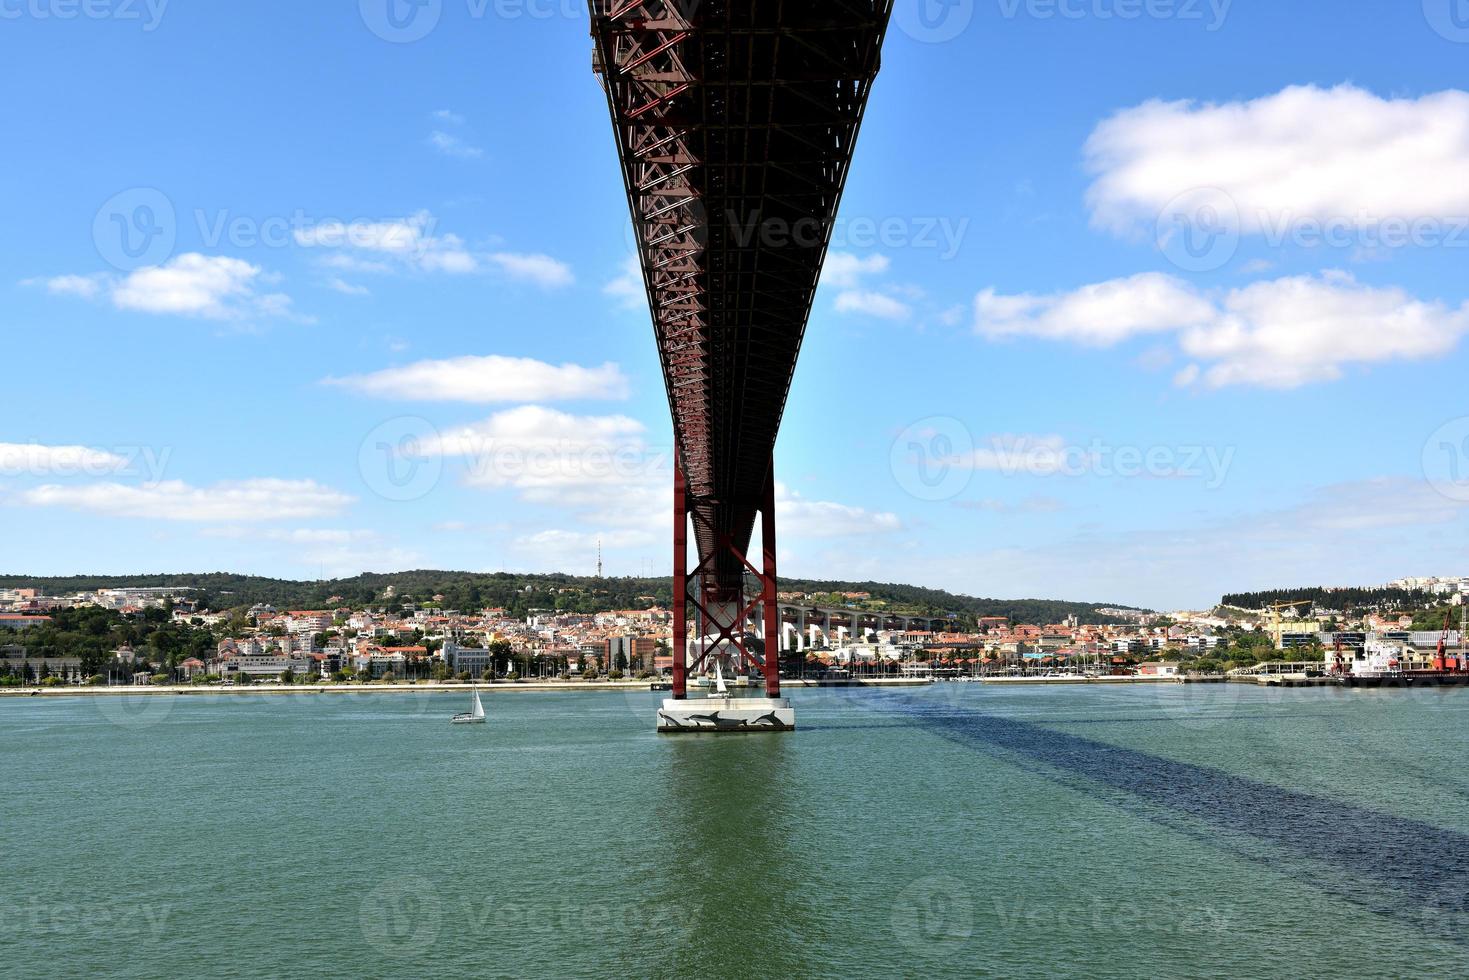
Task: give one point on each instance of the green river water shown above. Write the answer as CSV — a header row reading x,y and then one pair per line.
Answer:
x,y
957,830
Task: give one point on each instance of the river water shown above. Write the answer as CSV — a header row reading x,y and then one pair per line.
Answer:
x,y
957,830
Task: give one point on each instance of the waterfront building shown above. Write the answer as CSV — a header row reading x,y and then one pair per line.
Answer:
x,y
461,659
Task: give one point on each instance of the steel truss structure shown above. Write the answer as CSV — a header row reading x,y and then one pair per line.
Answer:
x,y
735,123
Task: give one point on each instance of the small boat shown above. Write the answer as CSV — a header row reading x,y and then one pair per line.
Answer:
x,y
474,716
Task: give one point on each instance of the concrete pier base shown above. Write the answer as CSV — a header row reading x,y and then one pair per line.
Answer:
x,y
726,715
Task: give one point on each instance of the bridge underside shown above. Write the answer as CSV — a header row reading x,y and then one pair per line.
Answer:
x,y
735,124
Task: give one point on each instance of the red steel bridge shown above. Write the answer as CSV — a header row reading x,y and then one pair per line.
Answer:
x,y
735,123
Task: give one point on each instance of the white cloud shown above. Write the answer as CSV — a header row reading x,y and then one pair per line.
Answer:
x,y
1283,333
1034,455
329,552
346,288
628,288
375,246
845,270
568,548
452,146
490,379
448,116
601,470
802,518
873,304
30,459
532,447
1303,153
541,270
245,500
413,243
214,287
1028,505
1192,564
1098,315
87,287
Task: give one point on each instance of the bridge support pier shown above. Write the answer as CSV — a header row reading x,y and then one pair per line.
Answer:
x,y
723,611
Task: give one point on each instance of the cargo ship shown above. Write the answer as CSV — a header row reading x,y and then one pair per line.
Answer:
x,y
1386,663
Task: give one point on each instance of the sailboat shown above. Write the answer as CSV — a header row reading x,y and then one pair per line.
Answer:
x,y
474,716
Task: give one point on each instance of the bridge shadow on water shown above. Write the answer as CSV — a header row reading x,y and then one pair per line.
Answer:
x,y
1407,870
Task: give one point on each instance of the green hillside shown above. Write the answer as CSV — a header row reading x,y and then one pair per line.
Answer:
x,y
519,593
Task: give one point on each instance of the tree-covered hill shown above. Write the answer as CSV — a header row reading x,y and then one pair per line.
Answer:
x,y
518,593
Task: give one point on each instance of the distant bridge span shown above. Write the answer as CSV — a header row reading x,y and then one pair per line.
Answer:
x,y
735,123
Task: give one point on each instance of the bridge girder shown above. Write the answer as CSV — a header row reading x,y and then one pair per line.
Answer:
x,y
735,123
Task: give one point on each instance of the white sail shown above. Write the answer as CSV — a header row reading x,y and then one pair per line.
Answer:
x,y
479,709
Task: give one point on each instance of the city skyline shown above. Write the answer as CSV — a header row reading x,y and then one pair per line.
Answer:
x,y
1045,358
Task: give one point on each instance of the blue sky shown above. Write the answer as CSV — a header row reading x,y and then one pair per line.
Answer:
x,y
1138,302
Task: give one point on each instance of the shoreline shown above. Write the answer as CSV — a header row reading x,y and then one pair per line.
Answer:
x,y
430,687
